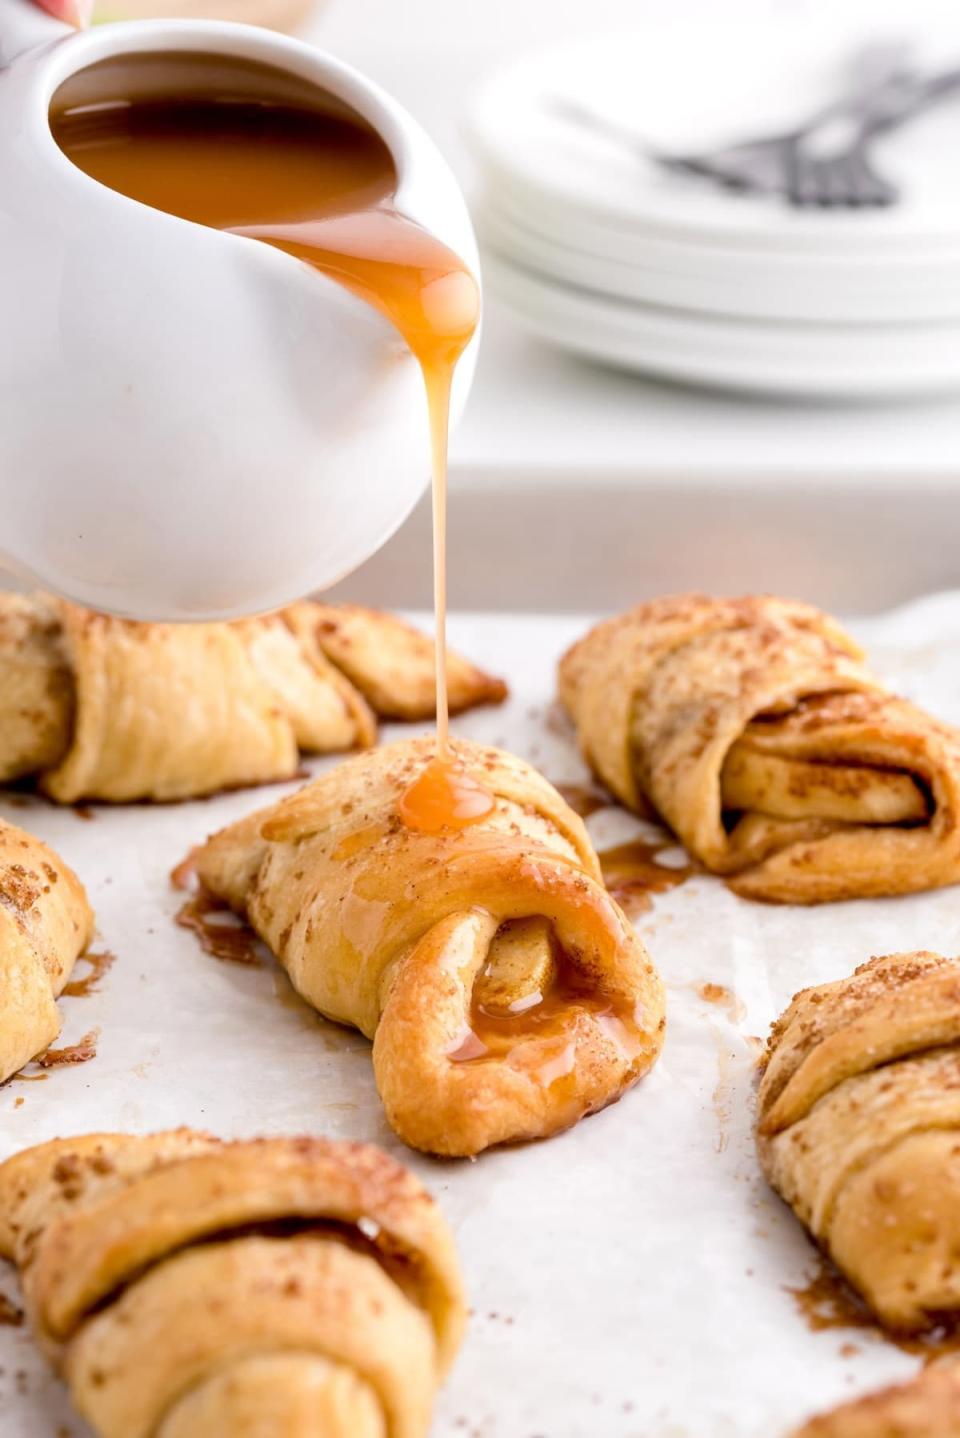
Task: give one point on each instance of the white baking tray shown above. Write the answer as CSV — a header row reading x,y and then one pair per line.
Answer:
x,y
576,540
627,1279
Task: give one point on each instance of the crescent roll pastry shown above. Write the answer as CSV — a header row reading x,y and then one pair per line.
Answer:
x,y
45,925
274,1288
859,1130
106,708
754,730
390,662
505,993
926,1407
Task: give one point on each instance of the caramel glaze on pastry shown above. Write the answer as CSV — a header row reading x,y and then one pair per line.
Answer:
x,y
505,993
186,1288
754,730
859,1130
105,708
45,925
926,1407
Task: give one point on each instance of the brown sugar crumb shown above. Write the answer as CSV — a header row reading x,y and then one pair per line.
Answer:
x,y
10,1315
66,1168
68,1174
19,889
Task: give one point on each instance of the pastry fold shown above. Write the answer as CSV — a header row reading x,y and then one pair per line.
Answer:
x,y
113,709
753,728
45,925
928,1406
187,1288
859,1130
505,992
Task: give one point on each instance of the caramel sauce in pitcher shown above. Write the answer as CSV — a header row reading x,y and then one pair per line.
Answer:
x,y
241,147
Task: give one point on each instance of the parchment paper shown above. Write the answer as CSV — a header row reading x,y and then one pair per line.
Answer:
x,y
627,1279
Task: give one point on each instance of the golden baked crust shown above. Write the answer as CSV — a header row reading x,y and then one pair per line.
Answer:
x,y
859,1129
505,992
186,1287
36,686
926,1407
752,727
106,708
45,925
391,663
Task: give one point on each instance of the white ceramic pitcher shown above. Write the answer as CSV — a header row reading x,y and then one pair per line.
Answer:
x,y
193,424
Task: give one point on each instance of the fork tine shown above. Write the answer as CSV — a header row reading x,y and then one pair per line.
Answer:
x,y
823,176
847,186
871,188
822,184
798,178
875,190
882,192
859,180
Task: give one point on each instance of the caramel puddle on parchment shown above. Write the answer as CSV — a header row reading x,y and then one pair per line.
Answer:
x,y
724,998
722,1097
827,1301
99,964
633,874
78,1053
229,938
219,930
585,799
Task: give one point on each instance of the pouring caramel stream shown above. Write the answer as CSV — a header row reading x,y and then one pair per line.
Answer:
x,y
242,147
256,153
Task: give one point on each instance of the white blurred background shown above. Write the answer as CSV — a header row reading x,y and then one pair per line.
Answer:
x,y
538,408
855,500
431,53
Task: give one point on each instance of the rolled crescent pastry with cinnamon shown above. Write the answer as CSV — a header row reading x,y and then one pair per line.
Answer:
x,y
505,992
45,925
859,1130
754,730
186,1288
113,709
928,1406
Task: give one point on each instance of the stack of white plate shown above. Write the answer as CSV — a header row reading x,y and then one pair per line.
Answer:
x,y
596,247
